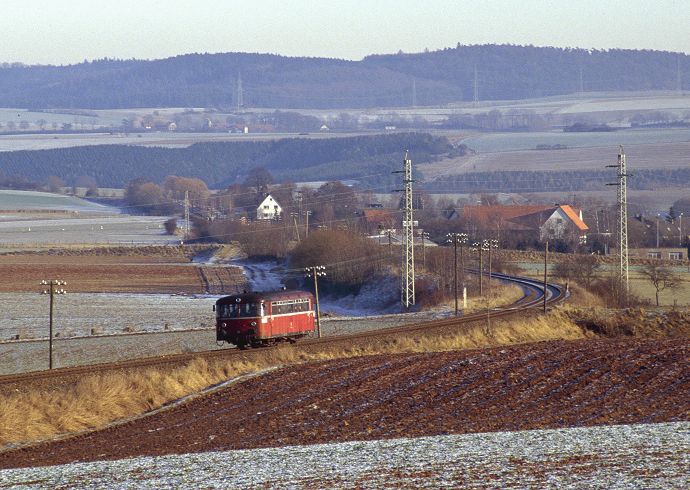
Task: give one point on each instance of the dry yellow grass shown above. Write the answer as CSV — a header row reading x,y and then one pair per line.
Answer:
x,y
101,399
501,295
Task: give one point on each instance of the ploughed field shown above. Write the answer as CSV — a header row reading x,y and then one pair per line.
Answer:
x,y
90,271
533,386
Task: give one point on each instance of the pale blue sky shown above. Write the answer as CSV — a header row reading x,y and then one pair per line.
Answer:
x,y
62,31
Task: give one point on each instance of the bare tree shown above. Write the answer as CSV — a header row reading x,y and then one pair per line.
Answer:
x,y
55,184
580,268
661,278
259,178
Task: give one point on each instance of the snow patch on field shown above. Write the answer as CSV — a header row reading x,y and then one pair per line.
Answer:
x,y
613,457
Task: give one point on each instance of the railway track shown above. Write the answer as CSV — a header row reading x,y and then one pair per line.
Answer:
x,y
534,297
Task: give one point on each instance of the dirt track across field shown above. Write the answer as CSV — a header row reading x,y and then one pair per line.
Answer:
x,y
532,386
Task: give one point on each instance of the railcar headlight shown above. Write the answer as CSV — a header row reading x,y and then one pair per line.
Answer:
x,y
224,324
253,324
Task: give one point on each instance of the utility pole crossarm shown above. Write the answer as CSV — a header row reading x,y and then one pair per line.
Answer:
x,y
52,291
315,272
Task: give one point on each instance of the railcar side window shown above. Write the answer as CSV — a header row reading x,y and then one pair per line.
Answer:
x,y
289,306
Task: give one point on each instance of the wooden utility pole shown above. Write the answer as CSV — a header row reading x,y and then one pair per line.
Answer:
x,y
456,238
546,261
306,227
316,271
490,244
455,274
481,272
294,218
52,291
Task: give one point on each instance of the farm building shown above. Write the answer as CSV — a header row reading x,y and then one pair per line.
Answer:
x,y
660,253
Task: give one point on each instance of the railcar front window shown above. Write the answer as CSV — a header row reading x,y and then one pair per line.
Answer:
x,y
228,311
249,309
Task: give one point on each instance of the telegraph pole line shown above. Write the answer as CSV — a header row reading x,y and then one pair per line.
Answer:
x,y
186,215
52,291
306,226
475,98
425,236
457,238
315,272
489,245
407,293
294,218
622,232
546,259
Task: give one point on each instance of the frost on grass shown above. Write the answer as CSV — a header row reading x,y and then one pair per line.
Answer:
x,y
624,456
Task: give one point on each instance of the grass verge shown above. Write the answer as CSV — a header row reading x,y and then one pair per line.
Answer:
x,y
100,399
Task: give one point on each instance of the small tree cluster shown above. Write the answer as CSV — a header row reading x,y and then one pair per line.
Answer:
x,y
350,259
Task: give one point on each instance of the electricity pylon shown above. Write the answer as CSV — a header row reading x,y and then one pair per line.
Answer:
x,y
622,232
407,296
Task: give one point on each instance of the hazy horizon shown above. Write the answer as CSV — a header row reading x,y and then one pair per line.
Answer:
x,y
59,33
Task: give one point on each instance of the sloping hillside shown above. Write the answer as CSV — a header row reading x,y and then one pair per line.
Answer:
x,y
211,80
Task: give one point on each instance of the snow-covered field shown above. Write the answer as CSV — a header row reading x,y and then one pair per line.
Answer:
x,y
78,314
47,218
607,457
27,200
503,142
93,230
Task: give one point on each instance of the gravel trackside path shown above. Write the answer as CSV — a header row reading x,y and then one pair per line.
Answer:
x,y
610,457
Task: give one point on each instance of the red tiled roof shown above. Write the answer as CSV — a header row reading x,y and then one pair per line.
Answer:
x,y
521,217
485,213
381,215
574,217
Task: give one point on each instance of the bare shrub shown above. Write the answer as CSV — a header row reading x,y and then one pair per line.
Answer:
x,y
583,269
170,226
351,260
257,239
427,292
612,292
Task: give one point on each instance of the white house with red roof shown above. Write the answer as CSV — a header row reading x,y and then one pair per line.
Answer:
x,y
551,222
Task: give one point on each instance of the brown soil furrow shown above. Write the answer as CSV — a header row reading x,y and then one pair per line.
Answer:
x,y
574,384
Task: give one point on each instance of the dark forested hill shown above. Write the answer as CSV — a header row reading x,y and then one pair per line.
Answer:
x,y
210,80
370,158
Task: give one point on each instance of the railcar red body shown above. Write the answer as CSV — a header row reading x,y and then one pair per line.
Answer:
x,y
253,319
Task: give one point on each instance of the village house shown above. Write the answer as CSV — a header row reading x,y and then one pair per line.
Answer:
x,y
378,220
660,253
538,222
268,209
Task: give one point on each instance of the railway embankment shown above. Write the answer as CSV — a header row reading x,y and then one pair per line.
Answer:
x,y
553,384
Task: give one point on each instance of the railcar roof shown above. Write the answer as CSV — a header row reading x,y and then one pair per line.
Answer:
x,y
255,297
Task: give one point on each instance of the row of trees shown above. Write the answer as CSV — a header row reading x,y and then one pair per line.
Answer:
x,y
526,181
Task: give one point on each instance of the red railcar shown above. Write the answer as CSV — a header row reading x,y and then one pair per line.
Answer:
x,y
253,319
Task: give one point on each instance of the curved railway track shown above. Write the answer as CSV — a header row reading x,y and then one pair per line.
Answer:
x,y
534,297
